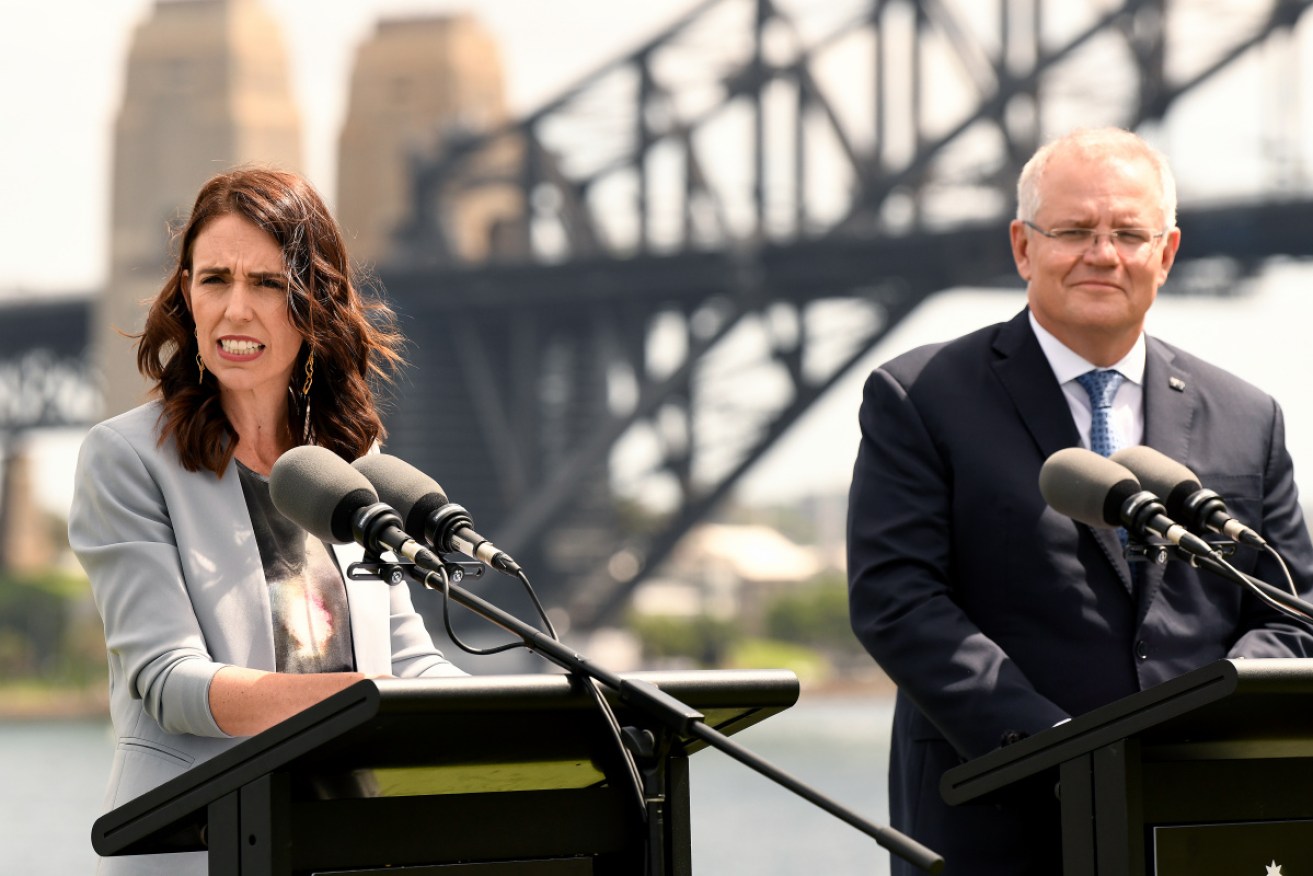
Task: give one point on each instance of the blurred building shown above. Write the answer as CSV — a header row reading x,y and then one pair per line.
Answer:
x,y
725,572
206,89
418,86
26,532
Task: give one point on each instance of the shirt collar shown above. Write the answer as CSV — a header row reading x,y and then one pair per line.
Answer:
x,y
1068,365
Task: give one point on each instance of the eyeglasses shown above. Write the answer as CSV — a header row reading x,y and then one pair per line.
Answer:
x,y
1129,242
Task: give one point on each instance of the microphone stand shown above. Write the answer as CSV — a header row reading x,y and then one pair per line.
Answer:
x,y
679,718
1159,552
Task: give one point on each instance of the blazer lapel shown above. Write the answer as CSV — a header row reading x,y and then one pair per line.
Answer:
x,y
1025,373
368,603
1169,412
210,521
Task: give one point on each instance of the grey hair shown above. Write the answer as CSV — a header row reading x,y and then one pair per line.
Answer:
x,y
1095,142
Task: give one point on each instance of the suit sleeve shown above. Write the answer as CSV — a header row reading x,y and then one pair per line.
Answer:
x,y
121,531
1263,631
901,569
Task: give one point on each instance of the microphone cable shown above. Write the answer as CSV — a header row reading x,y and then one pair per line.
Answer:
x,y
591,685
1274,597
426,507
1285,570
442,587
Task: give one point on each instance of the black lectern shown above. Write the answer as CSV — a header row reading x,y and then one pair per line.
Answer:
x,y
487,776
1209,773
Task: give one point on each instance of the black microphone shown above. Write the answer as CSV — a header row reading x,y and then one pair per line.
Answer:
x,y
426,509
1098,492
1186,499
320,492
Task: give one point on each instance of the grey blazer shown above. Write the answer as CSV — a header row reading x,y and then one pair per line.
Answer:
x,y
179,584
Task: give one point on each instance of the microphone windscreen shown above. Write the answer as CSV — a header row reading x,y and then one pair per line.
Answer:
x,y
411,493
1161,475
317,490
1086,487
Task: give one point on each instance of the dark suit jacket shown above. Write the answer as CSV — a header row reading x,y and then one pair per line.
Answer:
x,y
997,616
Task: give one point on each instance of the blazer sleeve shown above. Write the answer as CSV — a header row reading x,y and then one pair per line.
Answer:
x,y
901,584
121,531
413,652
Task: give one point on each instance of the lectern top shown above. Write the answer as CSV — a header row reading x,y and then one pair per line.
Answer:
x,y
435,736
1229,708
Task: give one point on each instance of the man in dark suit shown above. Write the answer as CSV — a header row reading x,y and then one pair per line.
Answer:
x,y
996,616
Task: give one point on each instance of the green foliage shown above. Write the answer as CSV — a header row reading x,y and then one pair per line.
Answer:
x,y
814,614
806,663
712,644
702,640
48,629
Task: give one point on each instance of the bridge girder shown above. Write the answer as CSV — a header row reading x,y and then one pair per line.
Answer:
x,y
875,190
46,377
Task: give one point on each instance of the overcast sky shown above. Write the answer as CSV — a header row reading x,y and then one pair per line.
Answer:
x,y
61,68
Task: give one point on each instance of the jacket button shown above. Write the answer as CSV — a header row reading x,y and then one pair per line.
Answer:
x,y
1142,649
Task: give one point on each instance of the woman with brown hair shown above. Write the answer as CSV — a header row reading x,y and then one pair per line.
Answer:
x,y
221,616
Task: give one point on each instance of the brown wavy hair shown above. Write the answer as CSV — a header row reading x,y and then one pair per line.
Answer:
x,y
353,336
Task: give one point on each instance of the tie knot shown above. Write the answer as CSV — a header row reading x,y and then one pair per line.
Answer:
x,y
1101,386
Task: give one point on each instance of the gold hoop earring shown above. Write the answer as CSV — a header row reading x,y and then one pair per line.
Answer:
x,y
309,373
305,395
200,367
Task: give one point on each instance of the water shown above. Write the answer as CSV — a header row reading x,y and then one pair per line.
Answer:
x,y
745,823
52,779
52,776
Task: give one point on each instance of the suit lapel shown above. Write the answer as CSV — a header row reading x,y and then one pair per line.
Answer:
x,y
1169,405
1169,411
1025,373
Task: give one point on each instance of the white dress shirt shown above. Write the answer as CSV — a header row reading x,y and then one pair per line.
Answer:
x,y
1127,406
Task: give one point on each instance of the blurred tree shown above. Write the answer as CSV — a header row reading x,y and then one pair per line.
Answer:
x,y
814,614
703,641
48,629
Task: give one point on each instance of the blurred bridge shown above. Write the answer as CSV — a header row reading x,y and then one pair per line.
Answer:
x,y
47,379
718,225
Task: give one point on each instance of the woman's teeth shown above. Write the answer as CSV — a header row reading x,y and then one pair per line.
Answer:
x,y
240,348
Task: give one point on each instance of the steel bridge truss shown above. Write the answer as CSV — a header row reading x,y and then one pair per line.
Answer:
x,y
46,378
766,191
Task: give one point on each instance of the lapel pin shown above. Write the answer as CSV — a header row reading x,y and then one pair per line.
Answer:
x,y
1176,383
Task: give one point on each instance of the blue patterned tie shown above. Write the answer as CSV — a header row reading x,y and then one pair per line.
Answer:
x,y
1102,387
